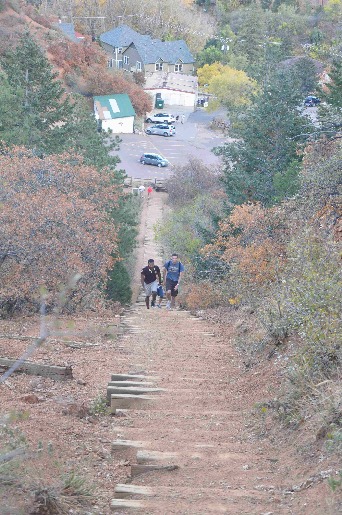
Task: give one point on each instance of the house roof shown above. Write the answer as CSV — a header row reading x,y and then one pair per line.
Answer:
x,y
149,49
110,107
68,29
121,36
172,81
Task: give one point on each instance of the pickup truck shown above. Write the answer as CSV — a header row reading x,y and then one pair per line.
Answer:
x,y
160,118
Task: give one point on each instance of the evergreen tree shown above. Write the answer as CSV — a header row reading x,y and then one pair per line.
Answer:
x,y
10,109
330,112
260,165
334,93
41,97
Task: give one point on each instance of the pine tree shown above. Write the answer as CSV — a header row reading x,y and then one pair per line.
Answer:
x,y
10,109
266,148
334,95
41,96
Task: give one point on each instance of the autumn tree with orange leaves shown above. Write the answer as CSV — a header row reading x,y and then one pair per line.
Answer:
x,y
250,240
55,223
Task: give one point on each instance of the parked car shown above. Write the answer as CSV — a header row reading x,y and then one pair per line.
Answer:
x,y
161,129
153,159
161,118
311,101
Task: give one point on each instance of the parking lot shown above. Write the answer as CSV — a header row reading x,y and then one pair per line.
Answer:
x,y
192,138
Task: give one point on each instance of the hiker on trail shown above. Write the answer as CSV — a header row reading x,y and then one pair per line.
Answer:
x,y
149,191
173,271
150,279
141,189
182,118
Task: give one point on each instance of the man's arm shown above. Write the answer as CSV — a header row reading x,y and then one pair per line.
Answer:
x,y
142,278
159,276
179,280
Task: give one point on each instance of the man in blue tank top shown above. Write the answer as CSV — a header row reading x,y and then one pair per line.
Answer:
x,y
173,271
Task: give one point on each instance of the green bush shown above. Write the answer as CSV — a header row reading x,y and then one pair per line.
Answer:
x,y
118,285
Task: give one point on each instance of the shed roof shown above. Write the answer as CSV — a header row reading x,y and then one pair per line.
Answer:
x,y
110,107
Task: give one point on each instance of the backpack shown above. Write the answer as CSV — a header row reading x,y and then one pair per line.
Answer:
x,y
169,263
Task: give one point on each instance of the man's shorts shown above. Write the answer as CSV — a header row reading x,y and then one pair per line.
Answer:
x,y
170,285
150,288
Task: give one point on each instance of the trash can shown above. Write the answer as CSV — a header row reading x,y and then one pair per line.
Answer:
x,y
159,103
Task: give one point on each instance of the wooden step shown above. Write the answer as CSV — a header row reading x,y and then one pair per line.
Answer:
x,y
148,456
114,390
122,491
136,390
129,490
132,384
200,506
132,377
129,401
127,444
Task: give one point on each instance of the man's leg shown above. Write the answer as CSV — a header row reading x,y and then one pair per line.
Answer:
x,y
147,301
154,297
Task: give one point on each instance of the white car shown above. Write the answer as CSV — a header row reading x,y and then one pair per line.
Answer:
x,y
161,118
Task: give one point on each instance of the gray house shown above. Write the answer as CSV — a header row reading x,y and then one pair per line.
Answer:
x,y
131,51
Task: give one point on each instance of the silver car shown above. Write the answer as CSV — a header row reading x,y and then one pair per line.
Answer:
x,y
161,130
153,159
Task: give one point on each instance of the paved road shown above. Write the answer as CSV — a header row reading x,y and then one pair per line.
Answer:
x,y
193,138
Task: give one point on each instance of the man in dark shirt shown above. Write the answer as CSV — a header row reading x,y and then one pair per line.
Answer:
x,y
150,279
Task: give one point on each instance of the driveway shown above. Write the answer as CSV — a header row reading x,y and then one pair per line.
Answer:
x,y
193,138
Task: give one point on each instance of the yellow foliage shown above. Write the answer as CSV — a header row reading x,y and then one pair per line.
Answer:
x,y
208,71
231,87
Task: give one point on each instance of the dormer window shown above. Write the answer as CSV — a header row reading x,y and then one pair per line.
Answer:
x,y
159,65
119,50
179,66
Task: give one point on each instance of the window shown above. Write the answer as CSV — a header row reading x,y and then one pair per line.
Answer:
x,y
111,63
138,66
126,59
159,66
178,67
120,50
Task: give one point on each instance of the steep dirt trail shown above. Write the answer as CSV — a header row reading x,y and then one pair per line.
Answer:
x,y
195,428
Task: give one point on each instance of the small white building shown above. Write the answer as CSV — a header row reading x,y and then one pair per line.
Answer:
x,y
115,113
174,88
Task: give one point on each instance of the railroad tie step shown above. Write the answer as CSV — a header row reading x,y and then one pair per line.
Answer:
x,y
132,384
129,401
133,377
122,491
126,444
160,456
127,390
135,390
124,504
142,468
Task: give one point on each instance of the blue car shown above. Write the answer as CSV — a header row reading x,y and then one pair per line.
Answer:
x,y
311,101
